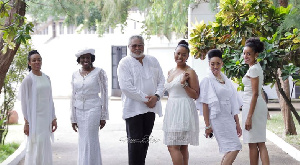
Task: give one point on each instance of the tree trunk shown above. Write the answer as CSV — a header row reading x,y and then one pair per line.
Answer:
x,y
19,7
289,124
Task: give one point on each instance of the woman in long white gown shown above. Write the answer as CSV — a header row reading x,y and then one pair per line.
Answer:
x,y
181,121
254,107
89,112
220,105
39,114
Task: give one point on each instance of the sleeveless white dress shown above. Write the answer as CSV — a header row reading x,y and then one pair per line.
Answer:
x,y
181,122
259,119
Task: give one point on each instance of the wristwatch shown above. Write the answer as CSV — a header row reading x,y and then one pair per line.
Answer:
x,y
158,97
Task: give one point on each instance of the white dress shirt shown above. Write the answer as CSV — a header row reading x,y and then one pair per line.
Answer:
x,y
138,81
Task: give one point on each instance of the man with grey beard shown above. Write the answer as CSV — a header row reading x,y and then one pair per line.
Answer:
x,y
142,84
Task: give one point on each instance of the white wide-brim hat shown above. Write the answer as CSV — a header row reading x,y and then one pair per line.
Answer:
x,y
85,51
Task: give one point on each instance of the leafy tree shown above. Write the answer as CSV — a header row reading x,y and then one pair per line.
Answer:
x,y
14,77
161,17
14,30
238,20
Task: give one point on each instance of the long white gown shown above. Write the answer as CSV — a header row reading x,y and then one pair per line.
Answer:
x,y
87,111
181,121
223,103
259,118
39,151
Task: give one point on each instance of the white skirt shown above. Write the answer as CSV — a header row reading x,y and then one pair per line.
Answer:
x,y
88,122
259,121
181,122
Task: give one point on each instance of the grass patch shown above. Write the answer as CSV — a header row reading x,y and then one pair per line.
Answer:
x,y
7,149
276,125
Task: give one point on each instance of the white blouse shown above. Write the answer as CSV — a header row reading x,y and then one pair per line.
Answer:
x,y
215,94
85,93
138,81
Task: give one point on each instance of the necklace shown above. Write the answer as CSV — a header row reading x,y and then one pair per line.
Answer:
x,y
220,80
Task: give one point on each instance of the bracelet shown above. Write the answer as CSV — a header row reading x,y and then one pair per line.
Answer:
x,y
184,85
208,127
26,123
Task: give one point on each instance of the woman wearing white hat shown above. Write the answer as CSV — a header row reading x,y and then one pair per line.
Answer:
x,y
88,110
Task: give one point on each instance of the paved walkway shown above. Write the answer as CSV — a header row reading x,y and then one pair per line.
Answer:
x,y
114,146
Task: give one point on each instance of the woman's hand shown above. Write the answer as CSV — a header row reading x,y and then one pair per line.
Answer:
x,y
54,125
102,123
208,132
26,129
248,124
239,130
74,126
185,78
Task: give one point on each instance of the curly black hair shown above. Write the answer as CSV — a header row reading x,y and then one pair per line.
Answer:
x,y
255,44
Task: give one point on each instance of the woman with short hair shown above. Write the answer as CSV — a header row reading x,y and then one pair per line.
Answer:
x,y
220,105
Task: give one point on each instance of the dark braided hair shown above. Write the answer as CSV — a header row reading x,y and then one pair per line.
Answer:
x,y
255,44
214,53
184,44
29,55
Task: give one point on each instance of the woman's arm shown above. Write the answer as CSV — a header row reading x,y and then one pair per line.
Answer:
x,y
192,89
208,128
104,95
254,84
238,127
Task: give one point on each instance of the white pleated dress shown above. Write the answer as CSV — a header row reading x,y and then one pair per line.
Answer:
x,y
259,118
181,121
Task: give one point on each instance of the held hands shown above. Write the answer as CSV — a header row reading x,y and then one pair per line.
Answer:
x,y
151,101
54,125
102,123
248,124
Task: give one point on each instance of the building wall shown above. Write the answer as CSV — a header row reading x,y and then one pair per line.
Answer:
x,y
58,53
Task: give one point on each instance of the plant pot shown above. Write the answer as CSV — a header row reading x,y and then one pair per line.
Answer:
x,y
13,117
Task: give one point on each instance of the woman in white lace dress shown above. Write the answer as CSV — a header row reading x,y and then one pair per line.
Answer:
x,y
220,105
254,107
89,112
38,111
181,121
